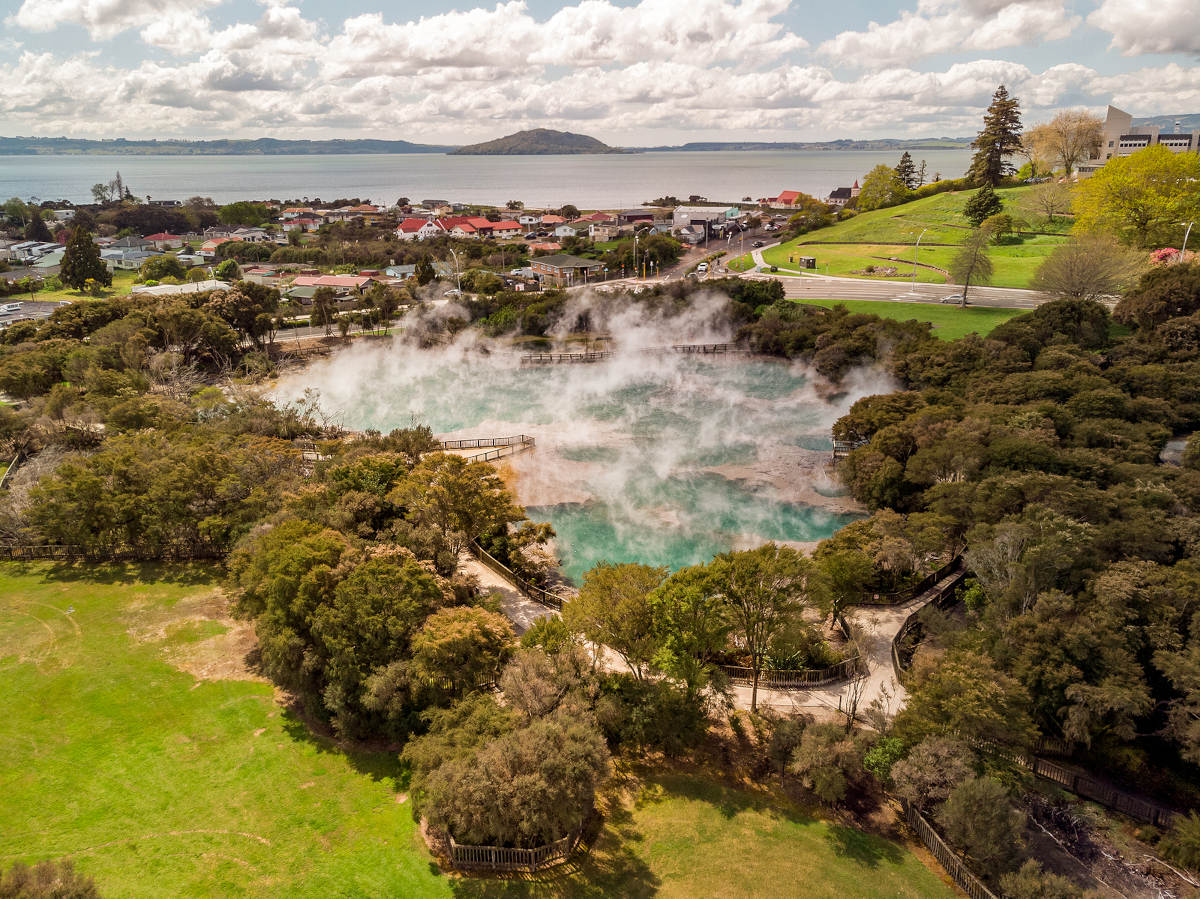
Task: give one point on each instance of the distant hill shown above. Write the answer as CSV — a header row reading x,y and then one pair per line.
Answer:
x,y
886,143
263,146
1189,122
538,142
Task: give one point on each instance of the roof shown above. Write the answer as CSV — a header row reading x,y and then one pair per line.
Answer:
x,y
506,226
565,260
159,290
545,246
702,212
552,219
840,193
331,281
163,235
214,242
788,196
412,226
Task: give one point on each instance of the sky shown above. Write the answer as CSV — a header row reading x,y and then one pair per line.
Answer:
x,y
629,72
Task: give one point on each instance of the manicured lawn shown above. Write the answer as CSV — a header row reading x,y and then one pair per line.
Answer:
x,y
159,782
949,322
871,238
122,282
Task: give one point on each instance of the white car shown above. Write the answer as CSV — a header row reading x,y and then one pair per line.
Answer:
x,y
702,268
953,298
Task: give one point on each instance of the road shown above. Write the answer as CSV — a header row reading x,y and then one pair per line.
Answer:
x,y
828,288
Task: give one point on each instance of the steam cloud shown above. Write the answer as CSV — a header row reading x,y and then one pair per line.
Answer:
x,y
654,457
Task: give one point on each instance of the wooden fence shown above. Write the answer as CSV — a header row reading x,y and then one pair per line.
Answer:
x,y
534,592
705,349
912,592
506,859
947,857
799,678
899,665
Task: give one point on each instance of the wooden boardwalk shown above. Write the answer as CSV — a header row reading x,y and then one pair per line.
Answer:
x,y
689,349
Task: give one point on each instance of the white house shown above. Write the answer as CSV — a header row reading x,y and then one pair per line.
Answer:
x,y
565,231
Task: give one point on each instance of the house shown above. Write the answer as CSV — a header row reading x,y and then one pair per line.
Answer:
x,y
164,241
251,235
295,212
703,217
633,216
216,231
302,295
340,284
545,246
401,272
418,229
264,276
786,199
435,204
563,270
506,230
553,220
63,215
529,219
565,231
125,258
840,196
172,290
131,243
599,231
208,249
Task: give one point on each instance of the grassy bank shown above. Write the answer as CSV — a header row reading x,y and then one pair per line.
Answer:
x,y
137,744
949,322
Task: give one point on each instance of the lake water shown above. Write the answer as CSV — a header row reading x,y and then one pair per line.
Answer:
x,y
666,460
589,182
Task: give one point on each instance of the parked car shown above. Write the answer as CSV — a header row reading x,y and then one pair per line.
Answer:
x,y
530,236
953,298
757,244
702,267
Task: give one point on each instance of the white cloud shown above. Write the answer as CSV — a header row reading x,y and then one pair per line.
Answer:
x,y
1138,26
946,26
103,19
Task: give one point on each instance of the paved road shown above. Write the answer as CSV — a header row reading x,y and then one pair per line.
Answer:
x,y
828,288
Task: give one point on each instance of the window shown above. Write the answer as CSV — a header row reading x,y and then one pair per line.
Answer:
x,y
1110,143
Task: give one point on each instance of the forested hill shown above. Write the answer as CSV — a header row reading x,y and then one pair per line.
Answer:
x,y
538,142
263,146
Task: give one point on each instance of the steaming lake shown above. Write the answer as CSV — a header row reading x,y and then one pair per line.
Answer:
x,y
590,182
666,460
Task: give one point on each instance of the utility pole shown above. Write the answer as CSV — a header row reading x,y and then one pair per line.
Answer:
x,y
1186,234
915,253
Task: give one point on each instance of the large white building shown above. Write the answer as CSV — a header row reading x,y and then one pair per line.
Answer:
x,y
1122,138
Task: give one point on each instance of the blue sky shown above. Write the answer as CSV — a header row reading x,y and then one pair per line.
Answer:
x,y
626,71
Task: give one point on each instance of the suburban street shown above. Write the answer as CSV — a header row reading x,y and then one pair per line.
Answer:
x,y
819,287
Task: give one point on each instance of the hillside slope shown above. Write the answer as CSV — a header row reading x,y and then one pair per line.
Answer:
x,y
538,142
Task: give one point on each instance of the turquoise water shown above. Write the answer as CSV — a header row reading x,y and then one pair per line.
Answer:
x,y
629,452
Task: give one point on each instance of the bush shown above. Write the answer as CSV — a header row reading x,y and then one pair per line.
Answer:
x,y
828,762
649,715
1182,842
46,880
979,819
1031,882
931,771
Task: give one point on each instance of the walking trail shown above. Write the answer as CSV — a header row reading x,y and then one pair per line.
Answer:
x,y
875,627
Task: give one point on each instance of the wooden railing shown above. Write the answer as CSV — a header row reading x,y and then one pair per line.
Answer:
x,y
799,678
909,593
601,355
899,665
503,858
534,592
843,448
947,857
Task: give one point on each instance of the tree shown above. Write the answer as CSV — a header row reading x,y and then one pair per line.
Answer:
x,y
1071,137
1089,267
999,139
1031,882
827,761
1047,200
931,771
46,880
691,624
980,819
244,212
324,309
983,204
969,695
906,171
921,174
526,788
228,271
613,609
81,262
1142,197
164,266
1165,292
424,272
765,590
881,187
36,229
458,649
16,210
514,205
569,212
971,263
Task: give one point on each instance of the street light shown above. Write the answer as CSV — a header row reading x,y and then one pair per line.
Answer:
x,y
916,251
635,249
1186,234
457,274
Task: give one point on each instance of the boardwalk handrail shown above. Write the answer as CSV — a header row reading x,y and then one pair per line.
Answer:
x,y
534,592
909,593
946,856
898,665
500,446
551,358
511,858
803,678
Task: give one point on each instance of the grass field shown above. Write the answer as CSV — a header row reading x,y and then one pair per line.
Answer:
x,y
870,238
122,282
135,743
949,322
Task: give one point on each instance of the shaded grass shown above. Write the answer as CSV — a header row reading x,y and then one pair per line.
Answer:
x,y
159,784
949,322
122,282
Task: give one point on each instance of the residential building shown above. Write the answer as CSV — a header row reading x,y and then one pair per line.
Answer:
x,y
545,246
419,229
550,219
251,235
1120,137
633,216
131,243
529,218
565,231
171,290
341,284
506,230
563,270
840,196
164,240
785,200
208,249
126,258
703,217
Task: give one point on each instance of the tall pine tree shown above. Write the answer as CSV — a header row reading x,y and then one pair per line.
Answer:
x,y
81,262
907,171
999,139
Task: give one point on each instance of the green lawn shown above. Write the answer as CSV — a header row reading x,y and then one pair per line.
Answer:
x,y
122,282
870,238
949,322
159,782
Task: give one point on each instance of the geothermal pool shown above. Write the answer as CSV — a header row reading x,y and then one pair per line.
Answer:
x,y
661,459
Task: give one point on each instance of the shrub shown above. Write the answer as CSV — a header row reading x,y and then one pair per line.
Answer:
x,y
979,819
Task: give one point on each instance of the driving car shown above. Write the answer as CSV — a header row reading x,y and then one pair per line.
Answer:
x,y
953,298
756,244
